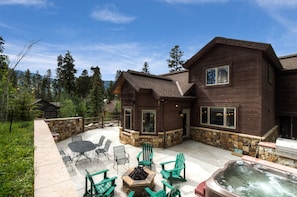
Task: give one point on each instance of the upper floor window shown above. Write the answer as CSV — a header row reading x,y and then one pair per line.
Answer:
x,y
217,75
148,121
127,119
218,116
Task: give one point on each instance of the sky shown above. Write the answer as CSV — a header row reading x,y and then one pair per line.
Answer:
x,y
124,34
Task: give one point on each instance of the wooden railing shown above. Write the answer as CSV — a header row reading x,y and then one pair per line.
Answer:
x,y
102,121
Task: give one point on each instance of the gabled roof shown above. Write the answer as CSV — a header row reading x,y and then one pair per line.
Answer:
x,y
264,47
160,86
289,62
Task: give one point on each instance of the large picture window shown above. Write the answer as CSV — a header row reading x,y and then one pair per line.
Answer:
x,y
218,116
127,119
217,75
148,121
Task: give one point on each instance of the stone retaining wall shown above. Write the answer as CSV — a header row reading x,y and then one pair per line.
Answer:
x,y
162,140
239,143
267,151
63,128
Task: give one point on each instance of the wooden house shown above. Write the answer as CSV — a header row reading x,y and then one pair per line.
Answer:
x,y
48,109
225,97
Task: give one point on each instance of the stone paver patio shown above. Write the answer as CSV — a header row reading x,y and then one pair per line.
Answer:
x,y
201,161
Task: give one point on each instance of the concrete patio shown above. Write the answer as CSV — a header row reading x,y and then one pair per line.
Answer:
x,y
201,161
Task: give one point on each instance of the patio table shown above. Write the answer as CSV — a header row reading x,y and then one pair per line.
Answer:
x,y
81,147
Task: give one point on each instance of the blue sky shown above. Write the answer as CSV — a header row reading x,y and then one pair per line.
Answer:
x,y
123,34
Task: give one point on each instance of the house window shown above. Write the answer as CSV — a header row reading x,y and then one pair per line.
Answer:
x,y
127,119
148,121
217,76
218,116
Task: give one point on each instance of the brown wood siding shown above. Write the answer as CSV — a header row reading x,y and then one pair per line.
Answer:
x,y
128,100
286,94
243,91
268,97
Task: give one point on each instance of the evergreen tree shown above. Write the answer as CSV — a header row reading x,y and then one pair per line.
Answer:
x,y
97,92
48,86
108,93
36,82
118,73
27,79
83,84
66,73
175,62
145,68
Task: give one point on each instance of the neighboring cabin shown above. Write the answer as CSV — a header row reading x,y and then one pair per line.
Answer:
x,y
233,94
48,109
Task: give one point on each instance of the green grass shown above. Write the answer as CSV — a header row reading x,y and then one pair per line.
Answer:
x,y
16,159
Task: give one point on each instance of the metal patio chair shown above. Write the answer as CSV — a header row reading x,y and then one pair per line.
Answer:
x,y
120,155
103,150
101,140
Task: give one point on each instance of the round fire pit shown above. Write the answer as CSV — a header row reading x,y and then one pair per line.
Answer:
x,y
136,179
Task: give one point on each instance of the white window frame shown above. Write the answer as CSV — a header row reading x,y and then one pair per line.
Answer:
x,y
216,71
142,121
125,115
225,115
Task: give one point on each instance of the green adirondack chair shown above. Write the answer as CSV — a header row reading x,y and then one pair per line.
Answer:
x,y
104,188
145,157
173,191
176,172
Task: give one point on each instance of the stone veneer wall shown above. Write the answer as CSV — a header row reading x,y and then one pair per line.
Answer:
x,y
162,140
239,143
63,128
267,151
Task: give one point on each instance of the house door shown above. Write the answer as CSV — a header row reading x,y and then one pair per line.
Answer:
x,y
186,123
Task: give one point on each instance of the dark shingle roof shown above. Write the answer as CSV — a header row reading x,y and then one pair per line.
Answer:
x,y
289,62
264,47
161,86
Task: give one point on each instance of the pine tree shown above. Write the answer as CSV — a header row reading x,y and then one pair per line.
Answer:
x,y
97,92
66,73
175,62
145,68
83,84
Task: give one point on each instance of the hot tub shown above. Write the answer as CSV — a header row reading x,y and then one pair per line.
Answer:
x,y
249,179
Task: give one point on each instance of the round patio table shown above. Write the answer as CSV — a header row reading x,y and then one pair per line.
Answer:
x,y
81,147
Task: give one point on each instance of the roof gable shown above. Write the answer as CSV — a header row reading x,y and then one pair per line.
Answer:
x,y
266,49
289,62
161,86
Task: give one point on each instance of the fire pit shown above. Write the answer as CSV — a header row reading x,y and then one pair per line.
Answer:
x,y
136,179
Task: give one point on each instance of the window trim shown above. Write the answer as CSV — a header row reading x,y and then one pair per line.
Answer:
x,y
216,75
155,119
127,109
224,117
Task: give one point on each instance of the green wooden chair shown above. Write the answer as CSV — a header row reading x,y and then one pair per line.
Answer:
x,y
145,157
131,193
176,172
173,191
104,188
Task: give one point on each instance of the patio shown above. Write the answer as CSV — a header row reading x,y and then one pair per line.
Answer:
x,y
201,161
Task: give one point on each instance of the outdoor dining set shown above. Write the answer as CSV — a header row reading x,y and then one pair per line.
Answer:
x,y
138,181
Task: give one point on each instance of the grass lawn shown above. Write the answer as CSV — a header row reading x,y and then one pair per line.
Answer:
x,y
16,159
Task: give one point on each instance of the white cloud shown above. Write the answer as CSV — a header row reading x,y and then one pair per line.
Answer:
x,y
40,3
277,4
110,13
108,57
